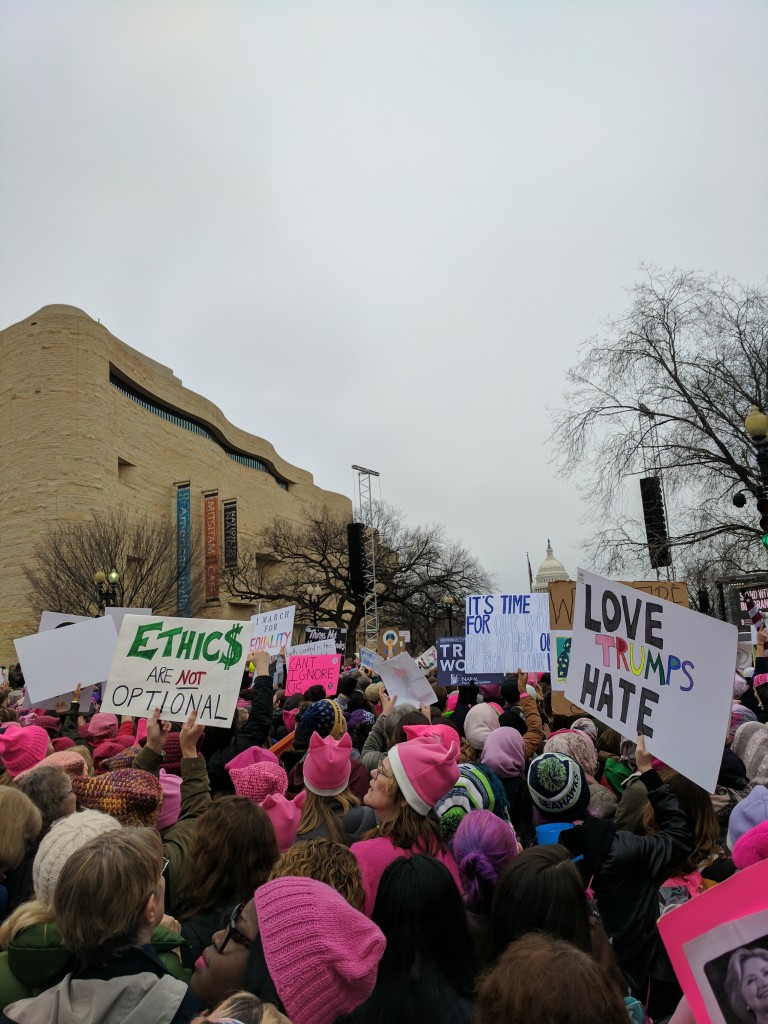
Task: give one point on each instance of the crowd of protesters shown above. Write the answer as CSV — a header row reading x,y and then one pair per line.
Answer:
x,y
356,859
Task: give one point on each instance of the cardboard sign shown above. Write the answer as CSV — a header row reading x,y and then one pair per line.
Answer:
x,y
450,665
53,620
177,665
327,646
643,665
56,660
118,614
313,670
339,636
270,631
427,659
506,632
404,679
708,937
562,597
391,642
369,659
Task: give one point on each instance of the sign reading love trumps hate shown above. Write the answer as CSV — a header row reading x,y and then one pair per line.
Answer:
x,y
506,632
179,666
647,666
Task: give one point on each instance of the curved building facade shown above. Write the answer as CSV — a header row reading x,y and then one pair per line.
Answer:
x,y
90,424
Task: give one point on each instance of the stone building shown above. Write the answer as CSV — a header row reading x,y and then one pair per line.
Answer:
x,y
90,424
551,569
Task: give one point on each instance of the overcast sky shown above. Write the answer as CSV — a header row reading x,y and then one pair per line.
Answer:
x,y
377,233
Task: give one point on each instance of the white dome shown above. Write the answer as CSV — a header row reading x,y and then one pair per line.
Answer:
x,y
551,569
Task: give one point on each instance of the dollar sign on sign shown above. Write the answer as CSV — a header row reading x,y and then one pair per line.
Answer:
x,y
235,650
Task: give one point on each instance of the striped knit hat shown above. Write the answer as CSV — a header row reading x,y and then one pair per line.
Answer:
x,y
477,789
324,717
558,787
128,794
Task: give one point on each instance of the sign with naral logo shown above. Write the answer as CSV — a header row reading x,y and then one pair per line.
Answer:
x,y
211,522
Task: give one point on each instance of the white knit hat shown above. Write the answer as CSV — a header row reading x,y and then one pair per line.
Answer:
x,y
65,837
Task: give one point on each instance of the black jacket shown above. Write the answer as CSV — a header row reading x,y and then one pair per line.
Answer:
x,y
253,734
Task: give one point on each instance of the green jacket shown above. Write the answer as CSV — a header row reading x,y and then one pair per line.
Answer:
x,y
36,960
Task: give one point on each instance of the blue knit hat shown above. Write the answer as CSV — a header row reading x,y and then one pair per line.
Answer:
x,y
558,787
324,717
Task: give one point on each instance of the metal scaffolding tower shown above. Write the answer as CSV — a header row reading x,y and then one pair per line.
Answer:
x,y
370,599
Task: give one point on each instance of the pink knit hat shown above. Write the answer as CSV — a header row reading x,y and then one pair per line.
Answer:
x,y
22,748
171,806
252,755
452,701
424,771
751,847
141,731
71,763
445,734
327,766
258,781
300,917
49,723
103,726
285,816
62,743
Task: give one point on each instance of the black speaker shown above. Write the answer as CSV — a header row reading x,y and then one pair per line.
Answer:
x,y
356,545
655,522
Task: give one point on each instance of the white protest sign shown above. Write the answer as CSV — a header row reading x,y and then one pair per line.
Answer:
x,y
49,703
369,659
404,679
177,665
53,620
56,660
428,659
644,665
270,631
118,614
326,646
506,632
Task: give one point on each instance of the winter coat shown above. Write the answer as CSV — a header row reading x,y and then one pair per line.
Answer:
x,y
36,959
375,747
253,734
375,855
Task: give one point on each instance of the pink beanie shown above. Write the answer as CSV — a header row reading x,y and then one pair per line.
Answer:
x,y
424,770
71,764
289,719
62,743
252,755
480,722
452,701
327,766
258,781
141,731
297,915
49,723
22,748
504,753
285,816
751,847
445,734
103,726
171,806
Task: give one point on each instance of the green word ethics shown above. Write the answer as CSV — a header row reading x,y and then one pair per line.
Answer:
x,y
188,644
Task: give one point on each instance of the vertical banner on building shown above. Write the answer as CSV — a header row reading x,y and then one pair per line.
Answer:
x,y
211,522
230,535
183,551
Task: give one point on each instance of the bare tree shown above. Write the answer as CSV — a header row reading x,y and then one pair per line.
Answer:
x,y
142,550
665,389
416,567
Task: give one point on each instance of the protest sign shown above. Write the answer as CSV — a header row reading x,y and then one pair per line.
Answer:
x,y
707,934
118,614
506,632
427,659
272,630
327,646
450,665
560,656
53,620
643,665
177,665
390,642
339,636
562,596
369,659
404,679
56,660
312,670
50,703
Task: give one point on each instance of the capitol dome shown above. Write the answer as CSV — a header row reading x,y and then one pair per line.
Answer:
x,y
551,569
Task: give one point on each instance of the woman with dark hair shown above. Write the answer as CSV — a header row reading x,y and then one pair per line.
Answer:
x,y
233,852
420,912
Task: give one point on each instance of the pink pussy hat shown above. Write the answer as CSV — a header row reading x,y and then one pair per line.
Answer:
x,y
285,816
752,847
258,781
252,755
71,764
445,734
103,726
424,770
170,808
327,766
22,748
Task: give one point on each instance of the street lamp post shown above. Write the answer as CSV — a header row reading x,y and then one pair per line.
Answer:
x,y
448,603
109,590
313,600
756,425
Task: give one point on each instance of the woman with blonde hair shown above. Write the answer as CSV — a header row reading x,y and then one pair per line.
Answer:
x,y
326,862
332,811
22,824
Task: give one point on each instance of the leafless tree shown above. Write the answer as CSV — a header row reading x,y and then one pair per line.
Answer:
x,y
416,567
142,550
665,388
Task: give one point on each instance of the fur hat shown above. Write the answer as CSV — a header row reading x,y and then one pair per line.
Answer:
x,y
64,837
558,787
424,770
22,747
128,794
285,816
327,766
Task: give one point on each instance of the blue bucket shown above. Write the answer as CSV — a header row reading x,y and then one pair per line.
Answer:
x,y
550,833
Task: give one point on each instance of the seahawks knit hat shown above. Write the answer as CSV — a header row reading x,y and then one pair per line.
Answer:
x,y
477,789
64,837
22,747
130,795
558,787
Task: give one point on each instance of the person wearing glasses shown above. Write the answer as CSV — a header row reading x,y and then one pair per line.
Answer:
x,y
107,902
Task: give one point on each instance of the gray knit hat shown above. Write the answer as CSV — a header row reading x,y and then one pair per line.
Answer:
x,y
558,786
65,837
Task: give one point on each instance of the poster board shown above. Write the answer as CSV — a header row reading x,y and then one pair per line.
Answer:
x,y
118,614
327,646
338,635
272,630
54,620
644,665
506,632
391,642
427,659
177,665
404,679
56,660
370,659
450,665
305,670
